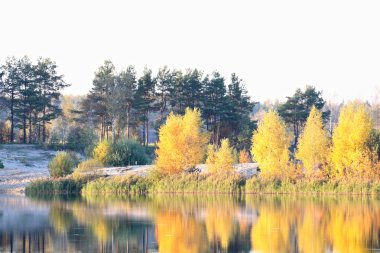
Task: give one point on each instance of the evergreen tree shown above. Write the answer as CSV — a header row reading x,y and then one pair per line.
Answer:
x,y
49,84
99,95
10,91
239,107
145,101
214,101
165,89
126,82
297,108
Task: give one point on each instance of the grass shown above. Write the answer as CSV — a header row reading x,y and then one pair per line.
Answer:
x,y
50,186
314,186
231,183
195,183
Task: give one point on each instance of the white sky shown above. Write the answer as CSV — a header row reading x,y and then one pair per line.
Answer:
x,y
275,46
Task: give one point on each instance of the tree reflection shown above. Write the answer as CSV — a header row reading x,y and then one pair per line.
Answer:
x,y
287,223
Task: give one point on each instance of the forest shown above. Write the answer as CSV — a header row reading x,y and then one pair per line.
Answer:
x,y
120,104
179,119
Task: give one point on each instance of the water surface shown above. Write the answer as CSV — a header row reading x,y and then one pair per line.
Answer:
x,y
190,224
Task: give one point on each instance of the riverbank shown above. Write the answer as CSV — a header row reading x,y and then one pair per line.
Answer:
x,y
23,163
200,183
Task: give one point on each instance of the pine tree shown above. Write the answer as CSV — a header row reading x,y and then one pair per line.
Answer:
x,y
271,145
313,147
297,108
214,104
145,101
99,96
238,125
350,153
10,92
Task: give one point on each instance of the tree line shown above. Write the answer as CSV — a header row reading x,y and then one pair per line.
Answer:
x,y
121,104
29,96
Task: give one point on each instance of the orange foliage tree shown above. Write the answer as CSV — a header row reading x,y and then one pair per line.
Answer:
x,y
181,142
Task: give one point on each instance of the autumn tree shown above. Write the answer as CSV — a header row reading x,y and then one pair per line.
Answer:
x,y
297,108
271,145
313,147
181,142
244,156
350,152
221,159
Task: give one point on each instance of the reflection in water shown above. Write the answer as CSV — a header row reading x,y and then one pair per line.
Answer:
x,y
191,224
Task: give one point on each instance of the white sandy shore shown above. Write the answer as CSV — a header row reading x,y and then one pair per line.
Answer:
x,y
26,163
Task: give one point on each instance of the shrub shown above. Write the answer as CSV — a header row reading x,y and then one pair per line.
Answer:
x,y
88,165
55,186
244,156
62,164
1,165
220,160
102,151
80,139
123,152
127,152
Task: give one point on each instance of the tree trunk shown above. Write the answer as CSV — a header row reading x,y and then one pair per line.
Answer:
x,y
30,128
24,129
12,119
146,130
113,130
128,113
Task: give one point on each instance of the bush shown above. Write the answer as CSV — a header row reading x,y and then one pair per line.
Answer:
x,y
220,159
81,140
123,152
244,156
56,186
127,152
62,164
1,165
88,165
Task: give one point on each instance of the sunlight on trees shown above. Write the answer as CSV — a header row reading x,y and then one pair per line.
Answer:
x,y
313,147
221,159
101,151
350,153
244,156
270,145
181,142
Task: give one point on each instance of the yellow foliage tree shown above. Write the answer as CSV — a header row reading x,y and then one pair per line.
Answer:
x,y
270,145
181,142
313,147
244,157
350,153
220,160
102,151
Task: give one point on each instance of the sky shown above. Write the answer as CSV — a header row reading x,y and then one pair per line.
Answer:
x,y
274,46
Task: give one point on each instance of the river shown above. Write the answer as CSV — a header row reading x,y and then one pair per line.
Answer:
x,y
166,223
